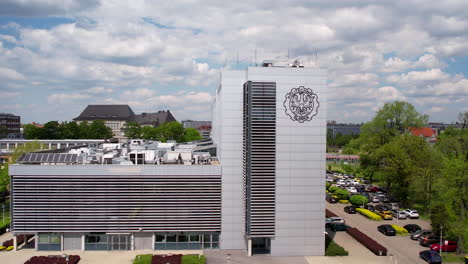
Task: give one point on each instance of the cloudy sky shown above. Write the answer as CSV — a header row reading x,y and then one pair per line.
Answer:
x,y
57,56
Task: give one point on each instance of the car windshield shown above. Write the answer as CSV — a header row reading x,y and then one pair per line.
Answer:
x,y
418,232
414,211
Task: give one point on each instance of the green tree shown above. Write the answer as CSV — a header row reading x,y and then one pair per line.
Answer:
x,y
98,130
133,130
84,129
70,130
3,132
191,134
342,194
32,132
358,200
170,131
149,133
52,130
4,181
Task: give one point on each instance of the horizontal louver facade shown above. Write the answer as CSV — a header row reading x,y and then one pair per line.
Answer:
x,y
186,202
260,158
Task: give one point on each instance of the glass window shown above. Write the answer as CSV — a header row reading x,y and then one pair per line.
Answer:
x,y
215,237
43,239
214,245
55,239
160,238
183,238
194,238
207,238
171,238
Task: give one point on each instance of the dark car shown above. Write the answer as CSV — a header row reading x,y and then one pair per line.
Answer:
x,y
386,199
338,227
369,207
412,228
387,230
420,233
350,209
381,207
330,199
430,256
428,240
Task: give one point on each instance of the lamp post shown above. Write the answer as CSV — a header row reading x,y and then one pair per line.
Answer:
x,y
440,249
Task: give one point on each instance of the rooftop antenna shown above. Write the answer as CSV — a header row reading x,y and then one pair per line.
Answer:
x,y
255,57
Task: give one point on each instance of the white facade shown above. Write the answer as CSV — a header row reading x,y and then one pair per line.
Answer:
x,y
300,161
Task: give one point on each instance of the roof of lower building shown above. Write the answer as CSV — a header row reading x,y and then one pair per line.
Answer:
x,y
155,119
422,131
106,112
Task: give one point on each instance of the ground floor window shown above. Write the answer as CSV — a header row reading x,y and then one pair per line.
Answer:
x,y
173,241
49,241
102,241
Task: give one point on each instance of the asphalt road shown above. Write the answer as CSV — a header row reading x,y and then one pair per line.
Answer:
x,y
402,248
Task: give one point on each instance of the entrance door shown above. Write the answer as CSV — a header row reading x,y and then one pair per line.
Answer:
x,y
119,242
261,245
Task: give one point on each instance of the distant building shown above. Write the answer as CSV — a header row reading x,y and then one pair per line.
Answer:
x,y
204,127
155,119
12,124
344,129
426,132
114,116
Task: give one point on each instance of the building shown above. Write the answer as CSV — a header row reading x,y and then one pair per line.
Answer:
x,y
114,116
12,123
269,125
429,134
155,119
136,196
343,129
263,192
204,127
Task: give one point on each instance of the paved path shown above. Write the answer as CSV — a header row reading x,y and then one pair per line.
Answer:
x,y
402,248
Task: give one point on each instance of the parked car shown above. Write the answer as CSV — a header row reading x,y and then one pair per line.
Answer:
x,y
412,213
387,230
386,199
399,214
330,220
393,206
338,227
330,199
375,199
412,228
428,240
417,234
351,189
386,215
430,256
447,246
375,189
381,207
369,207
368,188
350,209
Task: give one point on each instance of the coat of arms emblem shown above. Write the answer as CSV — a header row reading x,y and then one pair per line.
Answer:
x,y
301,104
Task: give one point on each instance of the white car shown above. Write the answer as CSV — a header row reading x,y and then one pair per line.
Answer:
x,y
411,213
351,189
330,220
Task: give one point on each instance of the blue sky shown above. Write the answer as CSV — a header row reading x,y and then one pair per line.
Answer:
x,y
56,57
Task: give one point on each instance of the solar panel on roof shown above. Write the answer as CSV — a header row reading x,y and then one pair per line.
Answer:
x,y
48,158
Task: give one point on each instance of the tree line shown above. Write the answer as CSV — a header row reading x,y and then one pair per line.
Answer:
x,y
167,131
68,130
429,177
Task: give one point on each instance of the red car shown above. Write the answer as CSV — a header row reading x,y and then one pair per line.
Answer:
x,y
375,189
447,246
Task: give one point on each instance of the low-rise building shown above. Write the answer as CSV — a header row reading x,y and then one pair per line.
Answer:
x,y
12,123
155,119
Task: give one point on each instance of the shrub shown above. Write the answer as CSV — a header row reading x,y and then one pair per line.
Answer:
x,y
143,259
72,259
343,201
333,189
193,259
400,230
2,248
8,243
333,249
369,214
9,248
329,213
342,194
358,200
327,185
366,241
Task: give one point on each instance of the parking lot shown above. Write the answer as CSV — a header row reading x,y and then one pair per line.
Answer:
x,y
402,248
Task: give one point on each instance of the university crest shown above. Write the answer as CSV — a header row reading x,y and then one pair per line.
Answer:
x,y
301,104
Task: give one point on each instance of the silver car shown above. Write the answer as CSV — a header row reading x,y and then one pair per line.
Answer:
x,y
399,214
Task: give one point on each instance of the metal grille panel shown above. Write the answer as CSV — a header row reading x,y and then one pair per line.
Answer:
x,y
259,145
125,203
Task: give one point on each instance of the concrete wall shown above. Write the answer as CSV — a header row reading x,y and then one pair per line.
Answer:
x,y
300,167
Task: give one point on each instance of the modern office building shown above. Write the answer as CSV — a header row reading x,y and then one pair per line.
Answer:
x,y
269,124
11,124
142,195
264,192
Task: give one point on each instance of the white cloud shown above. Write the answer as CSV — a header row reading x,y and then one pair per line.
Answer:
x,y
436,109
10,74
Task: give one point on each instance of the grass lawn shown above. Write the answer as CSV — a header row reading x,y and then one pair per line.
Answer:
x,y
333,249
452,257
143,259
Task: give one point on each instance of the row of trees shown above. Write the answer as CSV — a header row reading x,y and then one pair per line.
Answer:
x,y
167,131
338,141
68,130
432,178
